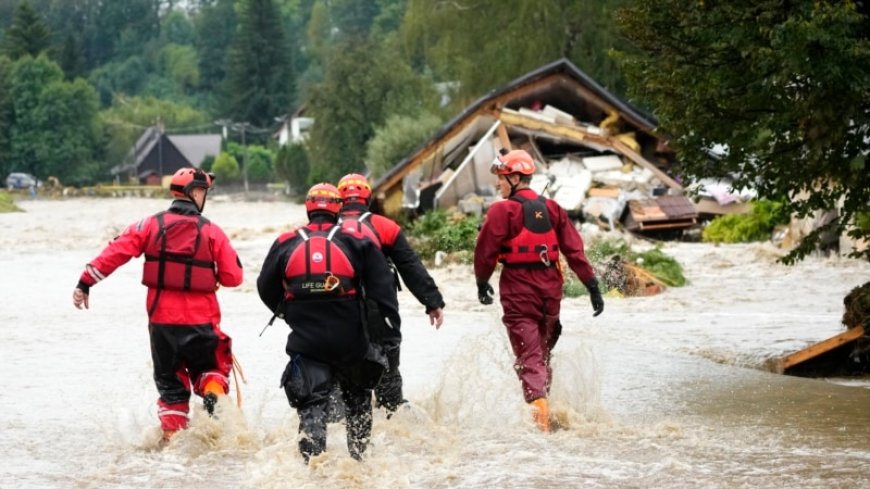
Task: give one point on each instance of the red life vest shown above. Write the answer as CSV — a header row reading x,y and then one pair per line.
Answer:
x,y
178,257
318,268
360,223
536,245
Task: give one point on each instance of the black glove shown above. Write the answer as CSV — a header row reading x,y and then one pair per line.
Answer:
x,y
595,297
484,293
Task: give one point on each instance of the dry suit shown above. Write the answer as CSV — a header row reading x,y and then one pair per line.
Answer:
x,y
186,258
388,235
327,344
530,287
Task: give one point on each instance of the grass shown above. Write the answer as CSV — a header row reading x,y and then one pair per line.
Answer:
x,y
7,203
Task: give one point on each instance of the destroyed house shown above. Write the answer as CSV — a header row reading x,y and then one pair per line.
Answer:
x,y
593,149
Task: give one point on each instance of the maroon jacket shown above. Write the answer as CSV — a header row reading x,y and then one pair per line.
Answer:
x,y
504,220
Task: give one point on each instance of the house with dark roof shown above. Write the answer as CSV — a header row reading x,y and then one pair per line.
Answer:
x,y
554,112
157,154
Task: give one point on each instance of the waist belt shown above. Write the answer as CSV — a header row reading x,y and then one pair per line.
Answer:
x,y
528,266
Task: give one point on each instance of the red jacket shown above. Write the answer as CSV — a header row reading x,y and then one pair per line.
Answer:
x,y
173,306
504,220
396,248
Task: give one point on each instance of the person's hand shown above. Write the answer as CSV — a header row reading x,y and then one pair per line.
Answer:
x,y
436,317
485,293
80,298
595,298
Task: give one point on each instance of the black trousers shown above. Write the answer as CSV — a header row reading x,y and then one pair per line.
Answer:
x,y
308,383
388,393
181,354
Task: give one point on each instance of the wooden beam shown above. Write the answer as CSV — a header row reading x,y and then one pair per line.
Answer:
x,y
503,137
580,134
817,349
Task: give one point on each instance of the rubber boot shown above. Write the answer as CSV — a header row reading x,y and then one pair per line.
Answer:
x,y
541,414
211,391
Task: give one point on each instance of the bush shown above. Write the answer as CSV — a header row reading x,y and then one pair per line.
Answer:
x,y
663,267
7,204
292,166
225,168
741,228
437,231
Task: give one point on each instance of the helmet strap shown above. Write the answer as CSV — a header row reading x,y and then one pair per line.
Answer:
x,y
513,185
189,194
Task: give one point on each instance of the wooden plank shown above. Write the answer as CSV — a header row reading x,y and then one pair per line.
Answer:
x,y
580,134
817,349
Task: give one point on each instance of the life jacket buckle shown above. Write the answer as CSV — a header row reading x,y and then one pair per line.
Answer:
x,y
544,258
331,283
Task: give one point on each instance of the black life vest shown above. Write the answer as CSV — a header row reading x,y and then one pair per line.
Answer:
x,y
178,257
536,245
360,223
318,268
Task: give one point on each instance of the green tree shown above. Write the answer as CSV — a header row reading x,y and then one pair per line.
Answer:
x,y
353,18
225,168
291,166
214,28
176,28
122,28
70,57
125,77
28,34
259,162
6,116
259,85
70,132
396,139
783,87
55,130
363,85
485,43
178,63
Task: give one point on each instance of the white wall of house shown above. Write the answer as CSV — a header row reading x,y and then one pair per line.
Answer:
x,y
294,130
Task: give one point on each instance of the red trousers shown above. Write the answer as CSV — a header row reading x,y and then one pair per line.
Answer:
x,y
533,328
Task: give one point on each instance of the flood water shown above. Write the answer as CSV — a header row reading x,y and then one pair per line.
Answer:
x,y
662,391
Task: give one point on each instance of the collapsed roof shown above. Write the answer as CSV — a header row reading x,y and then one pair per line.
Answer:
x,y
555,112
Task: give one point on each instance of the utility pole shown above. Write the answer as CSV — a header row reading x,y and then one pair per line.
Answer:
x,y
160,147
243,126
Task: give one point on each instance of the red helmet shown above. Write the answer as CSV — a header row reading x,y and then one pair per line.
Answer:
x,y
323,197
186,179
516,161
354,186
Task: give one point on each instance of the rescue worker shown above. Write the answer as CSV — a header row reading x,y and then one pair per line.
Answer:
x,y
355,215
317,278
187,258
525,233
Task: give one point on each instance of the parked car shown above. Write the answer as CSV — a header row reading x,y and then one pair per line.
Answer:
x,y
21,180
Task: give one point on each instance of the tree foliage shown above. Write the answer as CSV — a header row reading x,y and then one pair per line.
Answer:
x,y
54,130
6,116
214,28
396,139
225,168
291,165
783,87
485,43
28,34
259,80
362,87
